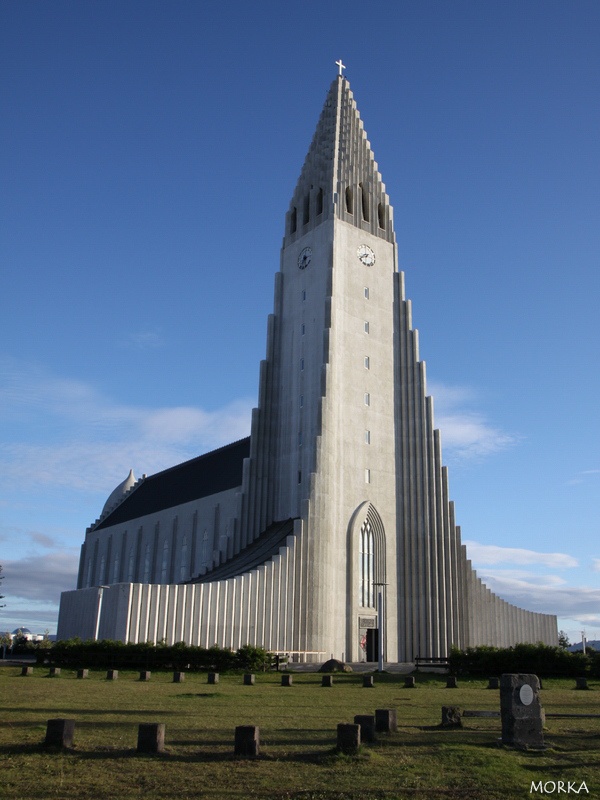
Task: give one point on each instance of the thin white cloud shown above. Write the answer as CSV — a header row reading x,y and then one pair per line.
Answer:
x,y
583,476
596,564
466,434
549,594
145,340
481,554
95,441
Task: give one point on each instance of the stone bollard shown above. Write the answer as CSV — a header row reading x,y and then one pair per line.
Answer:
x,y
54,672
451,717
367,727
327,680
368,682
112,674
178,677
521,711
249,679
348,738
213,677
409,682
493,683
581,683
247,741
151,737
145,675
60,732
451,682
26,670
286,680
83,673
386,720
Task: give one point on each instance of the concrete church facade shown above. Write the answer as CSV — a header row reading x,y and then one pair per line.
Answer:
x,y
331,525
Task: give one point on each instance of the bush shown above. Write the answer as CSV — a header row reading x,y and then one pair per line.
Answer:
x,y
107,654
538,659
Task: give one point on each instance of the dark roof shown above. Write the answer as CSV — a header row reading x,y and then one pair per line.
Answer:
x,y
258,552
202,476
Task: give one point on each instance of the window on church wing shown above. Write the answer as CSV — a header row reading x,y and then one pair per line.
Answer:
x,y
301,401
115,573
367,566
366,292
146,573
299,438
349,200
319,202
367,476
303,294
366,327
164,564
299,476
88,572
130,566
367,399
367,362
367,437
364,200
102,575
303,329
381,215
301,363
294,220
183,559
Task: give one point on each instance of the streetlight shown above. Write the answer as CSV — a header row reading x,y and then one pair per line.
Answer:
x,y
380,625
99,610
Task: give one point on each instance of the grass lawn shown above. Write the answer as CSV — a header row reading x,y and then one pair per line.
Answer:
x,y
298,731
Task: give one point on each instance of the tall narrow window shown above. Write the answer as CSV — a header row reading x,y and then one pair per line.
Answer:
x,y
303,329
164,564
130,566
299,438
102,577
367,437
301,363
183,559
299,476
146,573
367,362
366,292
306,211
367,399
115,574
319,202
366,327
364,199
367,566
381,215
349,200
294,220
303,294
367,476
301,401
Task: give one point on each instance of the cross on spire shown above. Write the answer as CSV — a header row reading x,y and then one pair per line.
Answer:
x,y
340,66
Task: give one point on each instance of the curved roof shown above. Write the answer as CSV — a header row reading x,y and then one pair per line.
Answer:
x,y
117,494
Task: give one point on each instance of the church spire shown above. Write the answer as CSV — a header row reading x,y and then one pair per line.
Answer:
x,y
340,176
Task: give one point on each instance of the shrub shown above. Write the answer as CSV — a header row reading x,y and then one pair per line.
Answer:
x,y
538,659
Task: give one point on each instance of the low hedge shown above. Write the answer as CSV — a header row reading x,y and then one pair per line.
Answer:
x,y
537,659
106,654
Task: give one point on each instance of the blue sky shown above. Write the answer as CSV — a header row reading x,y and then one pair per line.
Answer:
x,y
148,152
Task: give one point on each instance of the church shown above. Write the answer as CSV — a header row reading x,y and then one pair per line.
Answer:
x,y
329,531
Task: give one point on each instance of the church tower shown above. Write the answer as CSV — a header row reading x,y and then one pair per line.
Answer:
x,y
330,531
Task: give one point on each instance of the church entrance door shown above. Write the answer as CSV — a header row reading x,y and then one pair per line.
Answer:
x,y
372,644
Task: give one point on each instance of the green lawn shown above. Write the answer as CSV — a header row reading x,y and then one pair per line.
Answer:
x,y
298,729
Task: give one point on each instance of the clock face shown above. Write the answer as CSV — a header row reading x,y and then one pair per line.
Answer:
x,y
305,258
366,255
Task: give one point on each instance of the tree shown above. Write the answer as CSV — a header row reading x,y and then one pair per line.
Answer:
x,y
563,640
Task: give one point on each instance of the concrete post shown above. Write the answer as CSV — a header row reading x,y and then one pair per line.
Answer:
x,y
348,738
386,720
60,732
247,741
367,727
521,711
151,737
